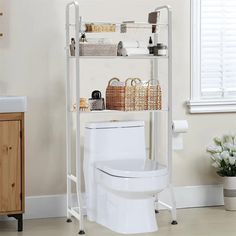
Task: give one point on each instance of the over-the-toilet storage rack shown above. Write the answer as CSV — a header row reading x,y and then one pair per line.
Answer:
x,y
72,107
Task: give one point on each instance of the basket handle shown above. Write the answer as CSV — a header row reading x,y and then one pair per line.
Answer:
x,y
113,79
127,80
153,80
134,81
139,81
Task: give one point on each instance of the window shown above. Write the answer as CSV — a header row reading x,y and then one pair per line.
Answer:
x,y
213,87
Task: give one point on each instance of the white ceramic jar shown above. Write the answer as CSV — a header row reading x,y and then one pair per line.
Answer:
x,y
160,50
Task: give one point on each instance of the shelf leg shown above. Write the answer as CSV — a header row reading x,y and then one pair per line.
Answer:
x,y
81,222
173,204
19,218
81,232
156,204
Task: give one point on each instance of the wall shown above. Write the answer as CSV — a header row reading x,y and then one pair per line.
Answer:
x,y
32,63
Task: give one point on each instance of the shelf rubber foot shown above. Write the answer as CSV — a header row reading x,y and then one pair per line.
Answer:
x,y
68,220
81,232
174,222
156,211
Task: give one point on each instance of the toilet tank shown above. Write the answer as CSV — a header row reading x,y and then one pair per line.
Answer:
x,y
114,140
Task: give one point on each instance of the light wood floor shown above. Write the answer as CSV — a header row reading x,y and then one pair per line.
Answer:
x,y
192,222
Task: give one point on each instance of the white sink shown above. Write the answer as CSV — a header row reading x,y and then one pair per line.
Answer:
x,y
10,104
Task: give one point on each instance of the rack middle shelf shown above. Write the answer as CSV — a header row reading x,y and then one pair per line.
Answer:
x,y
121,57
117,111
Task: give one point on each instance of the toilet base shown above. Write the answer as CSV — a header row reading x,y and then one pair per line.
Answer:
x,y
125,215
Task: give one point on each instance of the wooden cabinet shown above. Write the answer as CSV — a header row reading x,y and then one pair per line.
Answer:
x,y
12,193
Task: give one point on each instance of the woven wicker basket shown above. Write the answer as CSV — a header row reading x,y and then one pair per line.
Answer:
x,y
154,95
129,95
141,95
120,97
135,95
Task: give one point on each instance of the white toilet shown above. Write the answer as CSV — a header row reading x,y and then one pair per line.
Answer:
x,y
120,181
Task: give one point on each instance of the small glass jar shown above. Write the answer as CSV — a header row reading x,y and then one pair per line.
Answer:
x,y
97,104
160,50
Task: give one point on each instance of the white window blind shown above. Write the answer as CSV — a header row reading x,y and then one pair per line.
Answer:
x,y
218,49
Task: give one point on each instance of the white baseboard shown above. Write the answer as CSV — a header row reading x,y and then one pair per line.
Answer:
x,y
195,196
45,206
187,196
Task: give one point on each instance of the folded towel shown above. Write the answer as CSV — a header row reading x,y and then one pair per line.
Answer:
x,y
134,51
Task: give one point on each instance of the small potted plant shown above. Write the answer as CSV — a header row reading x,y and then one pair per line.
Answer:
x,y
223,155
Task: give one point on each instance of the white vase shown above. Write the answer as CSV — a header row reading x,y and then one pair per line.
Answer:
x,y
230,193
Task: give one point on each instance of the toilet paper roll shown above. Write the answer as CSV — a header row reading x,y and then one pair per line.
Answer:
x,y
180,126
128,44
134,51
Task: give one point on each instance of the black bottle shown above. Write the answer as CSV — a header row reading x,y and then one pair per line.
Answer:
x,y
72,47
150,46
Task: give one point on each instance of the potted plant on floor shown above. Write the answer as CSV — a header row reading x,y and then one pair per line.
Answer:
x,y
223,155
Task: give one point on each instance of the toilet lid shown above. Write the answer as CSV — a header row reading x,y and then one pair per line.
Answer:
x,y
133,168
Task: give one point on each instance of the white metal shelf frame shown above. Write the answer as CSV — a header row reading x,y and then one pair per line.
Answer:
x,y
77,211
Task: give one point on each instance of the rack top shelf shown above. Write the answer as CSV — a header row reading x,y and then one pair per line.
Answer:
x,y
122,27
134,24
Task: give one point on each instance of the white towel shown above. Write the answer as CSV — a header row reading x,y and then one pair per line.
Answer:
x,y
134,51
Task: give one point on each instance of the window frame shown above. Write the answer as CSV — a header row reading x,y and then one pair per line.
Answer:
x,y
197,104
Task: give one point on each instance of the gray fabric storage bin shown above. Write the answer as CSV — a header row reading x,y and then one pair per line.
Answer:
x,y
88,49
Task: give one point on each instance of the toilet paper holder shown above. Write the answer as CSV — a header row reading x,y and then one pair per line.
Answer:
x,y
178,128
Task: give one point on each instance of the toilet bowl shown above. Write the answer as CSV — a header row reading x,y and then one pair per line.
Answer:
x,y
120,181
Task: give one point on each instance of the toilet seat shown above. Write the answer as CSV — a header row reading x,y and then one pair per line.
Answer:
x,y
132,168
132,176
